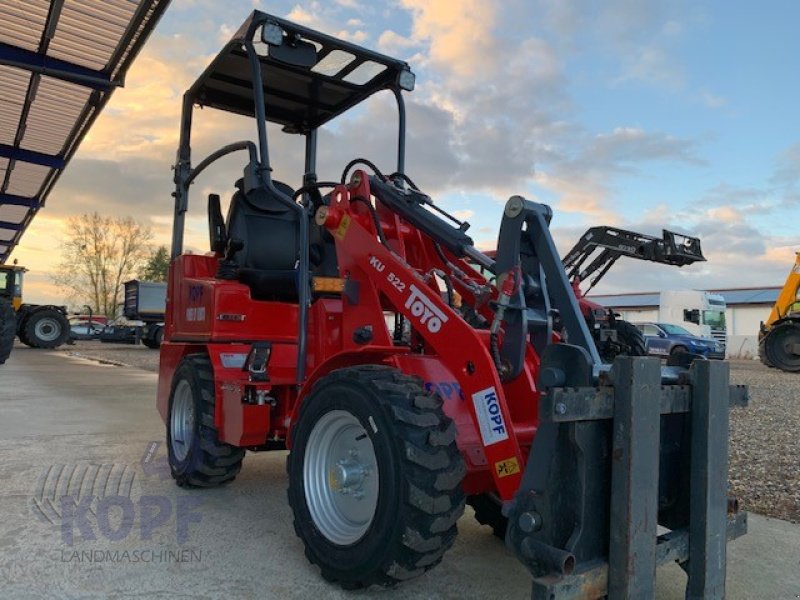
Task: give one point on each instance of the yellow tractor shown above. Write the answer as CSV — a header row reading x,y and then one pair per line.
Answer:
x,y
36,325
779,336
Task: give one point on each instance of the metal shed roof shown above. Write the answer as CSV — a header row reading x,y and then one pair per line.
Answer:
x,y
60,61
734,296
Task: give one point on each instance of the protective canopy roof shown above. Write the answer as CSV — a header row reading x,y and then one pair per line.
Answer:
x,y
300,97
60,61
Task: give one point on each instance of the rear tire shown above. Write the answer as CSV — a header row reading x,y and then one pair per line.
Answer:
x,y
45,328
630,342
8,329
488,511
412,493
777,345
762,353
196,456
153,341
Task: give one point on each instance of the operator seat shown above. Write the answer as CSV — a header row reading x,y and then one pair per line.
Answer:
x,y
269,232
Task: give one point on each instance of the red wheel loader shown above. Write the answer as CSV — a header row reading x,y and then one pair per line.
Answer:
x,y
279,337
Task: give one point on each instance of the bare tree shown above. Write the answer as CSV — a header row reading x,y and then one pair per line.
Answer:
x,y
97,255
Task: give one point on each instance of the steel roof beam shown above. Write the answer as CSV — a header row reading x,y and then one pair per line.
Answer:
x,y
10,225
13,200
54,67
30,156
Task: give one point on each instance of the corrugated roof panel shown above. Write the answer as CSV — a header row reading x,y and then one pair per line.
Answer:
x,y
23,22
27,179
53,114
89,43
89,31
12,214
13,87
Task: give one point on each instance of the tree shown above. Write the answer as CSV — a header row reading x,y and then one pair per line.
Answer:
x,y
157,265
98,254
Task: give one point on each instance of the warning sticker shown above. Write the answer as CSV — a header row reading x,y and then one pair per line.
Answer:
x,y
344,224
490,419
507,467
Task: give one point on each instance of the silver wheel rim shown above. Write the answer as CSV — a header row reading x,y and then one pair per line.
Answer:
x,y
182,420
340,476
47,329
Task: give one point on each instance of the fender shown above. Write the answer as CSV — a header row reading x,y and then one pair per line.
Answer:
x,y
26,310
368,355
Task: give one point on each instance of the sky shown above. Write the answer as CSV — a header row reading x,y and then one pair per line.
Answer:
x,y
643,114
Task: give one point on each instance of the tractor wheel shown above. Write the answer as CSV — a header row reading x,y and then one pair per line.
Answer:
x,y
488,511
374,477
154,337
630,342
8,329
762,352
782,345
45,328
196,456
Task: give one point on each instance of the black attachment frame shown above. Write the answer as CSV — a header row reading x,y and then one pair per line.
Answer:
x,y
670,249
611,463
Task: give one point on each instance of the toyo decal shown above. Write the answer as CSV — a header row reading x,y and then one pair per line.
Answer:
x,y
424,310
490,418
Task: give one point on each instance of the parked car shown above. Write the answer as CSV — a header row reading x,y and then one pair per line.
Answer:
x,y
86,327
664,339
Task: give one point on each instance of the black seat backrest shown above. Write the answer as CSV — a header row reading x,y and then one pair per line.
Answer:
x,y
266,227
268,230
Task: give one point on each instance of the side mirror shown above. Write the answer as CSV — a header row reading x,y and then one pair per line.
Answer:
x,y
661,334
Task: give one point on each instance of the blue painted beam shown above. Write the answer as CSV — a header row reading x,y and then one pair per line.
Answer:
x,y
11,226
29,156
19,201
54,67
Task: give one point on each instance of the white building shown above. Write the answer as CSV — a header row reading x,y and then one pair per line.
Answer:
x,y
745,309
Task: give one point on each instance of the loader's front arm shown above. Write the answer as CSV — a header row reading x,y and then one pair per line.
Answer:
x,y
378,278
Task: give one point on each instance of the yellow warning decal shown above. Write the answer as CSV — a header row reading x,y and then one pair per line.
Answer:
x,y
507,467
344,224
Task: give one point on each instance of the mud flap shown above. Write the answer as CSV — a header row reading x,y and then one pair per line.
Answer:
x,y
605,495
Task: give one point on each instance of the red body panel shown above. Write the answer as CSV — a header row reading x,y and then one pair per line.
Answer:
x,y
496,421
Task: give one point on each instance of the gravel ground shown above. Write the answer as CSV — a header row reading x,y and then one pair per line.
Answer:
x,y
765,442
765,436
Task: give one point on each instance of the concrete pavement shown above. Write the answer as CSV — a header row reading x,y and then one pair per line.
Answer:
x,y
73,429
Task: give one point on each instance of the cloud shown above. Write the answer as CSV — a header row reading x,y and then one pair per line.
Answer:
x,y
460,41
712,100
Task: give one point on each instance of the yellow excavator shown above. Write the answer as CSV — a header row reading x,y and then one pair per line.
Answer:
x,y
779,335
37,325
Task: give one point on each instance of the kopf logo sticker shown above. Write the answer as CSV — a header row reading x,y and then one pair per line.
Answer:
x,y
490,419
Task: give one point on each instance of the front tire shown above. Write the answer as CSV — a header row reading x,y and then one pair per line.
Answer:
x,y
45,328
374,477
780,344
630,342
8,329
196,456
